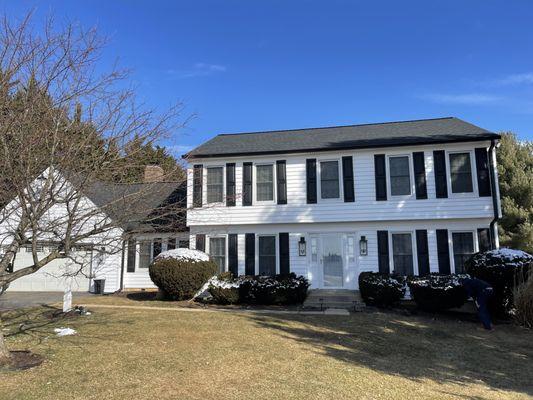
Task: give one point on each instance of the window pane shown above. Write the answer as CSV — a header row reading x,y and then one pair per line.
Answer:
x,y
145,254
183,244
461,173
157,247
402,252
265,182
463,248
329,180
400,180
131,255
217,251
267,255
215,184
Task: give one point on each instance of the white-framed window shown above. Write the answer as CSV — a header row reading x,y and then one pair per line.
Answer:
x,y
217,251
402,250
329,178
267,254
145,253
460,165
400,181
215,184
264,182
314,249
183,244
350,248
463,246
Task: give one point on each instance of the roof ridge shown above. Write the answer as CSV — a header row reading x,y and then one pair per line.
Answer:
x,y
334,126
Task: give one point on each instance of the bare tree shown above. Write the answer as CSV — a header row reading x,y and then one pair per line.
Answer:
x,y
63,130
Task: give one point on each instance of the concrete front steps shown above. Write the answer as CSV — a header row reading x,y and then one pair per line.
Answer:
x,y
323,299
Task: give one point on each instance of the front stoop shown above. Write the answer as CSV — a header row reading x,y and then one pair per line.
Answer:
x,y
323,299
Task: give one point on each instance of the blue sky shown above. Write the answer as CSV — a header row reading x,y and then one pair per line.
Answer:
x,y
260,65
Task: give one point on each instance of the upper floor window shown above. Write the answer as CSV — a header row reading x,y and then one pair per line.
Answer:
x,y
461,173
400,179
329,180
215,184
463,248
265,182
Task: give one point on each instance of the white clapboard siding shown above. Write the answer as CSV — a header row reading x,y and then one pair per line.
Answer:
x,y
365,207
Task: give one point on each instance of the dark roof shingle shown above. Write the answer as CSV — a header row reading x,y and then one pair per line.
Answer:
x,y
427,131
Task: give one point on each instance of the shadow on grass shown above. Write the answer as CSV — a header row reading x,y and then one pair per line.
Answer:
x,y
417,347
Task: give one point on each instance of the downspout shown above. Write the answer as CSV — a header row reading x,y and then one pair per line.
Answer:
x,y
121,287
495,192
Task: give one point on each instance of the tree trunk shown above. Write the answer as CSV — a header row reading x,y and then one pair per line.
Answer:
x,y
5,356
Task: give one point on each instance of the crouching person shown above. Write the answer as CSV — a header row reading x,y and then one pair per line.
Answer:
x,y
481,292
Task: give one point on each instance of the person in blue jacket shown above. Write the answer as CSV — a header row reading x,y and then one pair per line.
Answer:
x,y
481,292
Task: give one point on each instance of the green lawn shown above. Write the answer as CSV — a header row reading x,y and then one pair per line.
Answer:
x,y
169,354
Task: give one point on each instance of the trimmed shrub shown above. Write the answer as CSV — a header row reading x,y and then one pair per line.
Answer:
x,y
437,292
278,289
381,290
503,269
523,300
180,279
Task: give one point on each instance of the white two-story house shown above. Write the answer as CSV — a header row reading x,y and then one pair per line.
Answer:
x,y
409,197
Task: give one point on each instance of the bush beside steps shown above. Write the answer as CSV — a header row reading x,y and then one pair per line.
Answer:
x,y
256,289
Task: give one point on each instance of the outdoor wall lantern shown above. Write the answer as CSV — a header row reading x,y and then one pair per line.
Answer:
x,y
301,246
363,246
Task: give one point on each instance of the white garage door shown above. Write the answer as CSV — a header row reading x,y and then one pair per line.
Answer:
x,y
52,277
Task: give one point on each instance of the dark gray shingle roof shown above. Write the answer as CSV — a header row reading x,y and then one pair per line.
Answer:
x,y
426,131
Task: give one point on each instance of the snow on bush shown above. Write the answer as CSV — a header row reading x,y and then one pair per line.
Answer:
x,y
382,290
437,292
184,254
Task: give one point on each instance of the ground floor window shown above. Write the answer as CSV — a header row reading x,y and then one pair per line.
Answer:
x,y
217,251
402,253
267,255
463,248
158,247
183,244
145,254
131,255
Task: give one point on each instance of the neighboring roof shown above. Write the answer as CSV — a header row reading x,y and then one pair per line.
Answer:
x,y
141,205
402,133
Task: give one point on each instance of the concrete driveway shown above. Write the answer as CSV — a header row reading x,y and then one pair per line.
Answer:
x,y
14,300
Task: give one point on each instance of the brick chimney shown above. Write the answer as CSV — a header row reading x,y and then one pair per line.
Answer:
x,y
153,173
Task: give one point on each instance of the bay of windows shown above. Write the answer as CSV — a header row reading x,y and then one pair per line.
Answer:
x,y
402,253
463,248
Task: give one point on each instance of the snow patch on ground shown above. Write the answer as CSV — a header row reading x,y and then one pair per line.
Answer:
x,y
64,331
180,254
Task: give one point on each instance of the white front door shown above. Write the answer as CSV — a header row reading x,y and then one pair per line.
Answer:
x,y
332,261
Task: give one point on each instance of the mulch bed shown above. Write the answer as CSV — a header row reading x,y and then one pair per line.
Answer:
x,y
21,360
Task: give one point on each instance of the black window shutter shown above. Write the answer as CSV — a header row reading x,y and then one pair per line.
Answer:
x,y
439,165
281,176
347,176
158,247
484,239
420,175
247,185
230,184
310,166
131,256
381,177
383,252
200,242
443,251
483,177
233,260
197,185
284,256
422,252
249,254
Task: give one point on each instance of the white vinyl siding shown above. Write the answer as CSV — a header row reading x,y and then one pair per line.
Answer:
x,y
215,184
